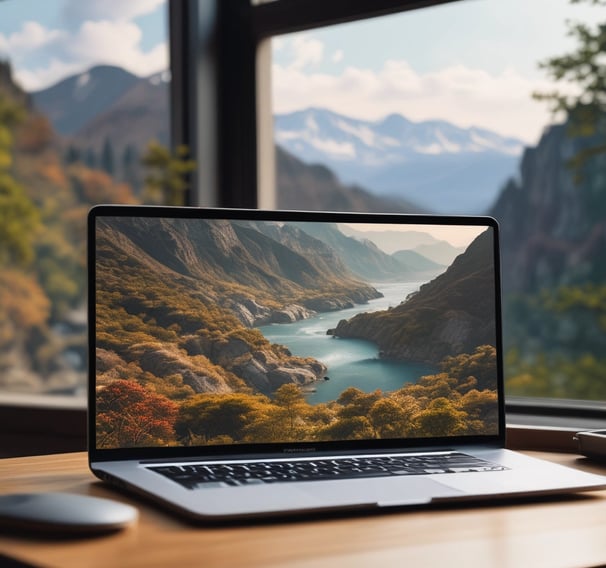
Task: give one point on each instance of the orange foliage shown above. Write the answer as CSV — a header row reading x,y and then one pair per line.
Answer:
x,y
130,415
54,173
97,186
22,300
35,134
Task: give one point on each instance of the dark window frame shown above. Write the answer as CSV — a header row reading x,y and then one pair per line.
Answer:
x,y
288,16
217,116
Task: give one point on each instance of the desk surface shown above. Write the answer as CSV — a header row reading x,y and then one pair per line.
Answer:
x,y
561,532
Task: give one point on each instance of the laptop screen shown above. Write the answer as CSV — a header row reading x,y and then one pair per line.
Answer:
x,y
230,328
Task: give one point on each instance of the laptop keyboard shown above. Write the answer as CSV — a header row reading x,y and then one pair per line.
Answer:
x,y
196,476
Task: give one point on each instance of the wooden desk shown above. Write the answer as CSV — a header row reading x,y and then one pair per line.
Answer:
x,y
564,532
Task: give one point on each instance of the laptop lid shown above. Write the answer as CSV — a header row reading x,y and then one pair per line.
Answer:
x,y
235,332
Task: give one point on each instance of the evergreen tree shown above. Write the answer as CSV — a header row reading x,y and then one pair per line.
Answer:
x,y
107,158
72,155
90,158
167,176
130,167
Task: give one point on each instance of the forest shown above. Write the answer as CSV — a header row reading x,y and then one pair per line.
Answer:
x,y
454,402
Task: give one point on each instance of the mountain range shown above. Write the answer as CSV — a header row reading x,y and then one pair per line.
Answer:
x,y
433,164
212,280
107,102
338,162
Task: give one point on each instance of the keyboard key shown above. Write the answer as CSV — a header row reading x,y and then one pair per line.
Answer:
x,y
198,476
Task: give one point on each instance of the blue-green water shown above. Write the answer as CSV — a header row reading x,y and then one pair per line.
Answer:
x,y
350,362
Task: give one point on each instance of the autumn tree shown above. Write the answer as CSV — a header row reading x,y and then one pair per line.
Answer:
x,y
442,418
128,415
208,416
481,365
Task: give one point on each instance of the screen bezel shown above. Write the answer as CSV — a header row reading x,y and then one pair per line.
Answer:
x,y
281,449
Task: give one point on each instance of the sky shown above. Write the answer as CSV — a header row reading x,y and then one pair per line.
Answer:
x,y
473,63
458,236
49,40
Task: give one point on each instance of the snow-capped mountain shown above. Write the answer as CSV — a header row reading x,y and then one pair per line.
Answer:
x,y
434,164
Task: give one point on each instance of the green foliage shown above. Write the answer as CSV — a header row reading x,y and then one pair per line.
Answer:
x,y
557,376
479,365
167,179
557,342
437,405
19,218
585,67
210,416
19,222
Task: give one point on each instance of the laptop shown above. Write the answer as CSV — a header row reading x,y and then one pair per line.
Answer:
x,y
249,364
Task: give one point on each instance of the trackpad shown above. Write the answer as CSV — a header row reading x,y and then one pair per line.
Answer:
x,y
385,492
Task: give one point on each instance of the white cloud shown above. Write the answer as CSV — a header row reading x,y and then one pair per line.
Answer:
x,y
116,43
30,37
462,95
100,32
306,51
40,77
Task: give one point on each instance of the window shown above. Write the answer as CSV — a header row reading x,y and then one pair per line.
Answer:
x,y
84,88
432,109
229,62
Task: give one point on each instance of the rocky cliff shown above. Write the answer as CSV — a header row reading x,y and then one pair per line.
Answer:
x,y
452,314
553,221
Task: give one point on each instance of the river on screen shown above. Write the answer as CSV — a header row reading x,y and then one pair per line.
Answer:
x,y
350,362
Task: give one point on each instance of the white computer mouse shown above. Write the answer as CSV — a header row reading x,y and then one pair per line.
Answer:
x,y
64,513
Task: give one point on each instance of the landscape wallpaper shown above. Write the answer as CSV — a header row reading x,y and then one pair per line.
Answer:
x,y
215,331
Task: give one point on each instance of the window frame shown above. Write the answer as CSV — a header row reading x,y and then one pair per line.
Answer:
x,y
225,119
288,16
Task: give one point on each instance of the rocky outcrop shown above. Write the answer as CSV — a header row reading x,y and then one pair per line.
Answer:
x,y
553,225
164,362
253,314
290,314
263,370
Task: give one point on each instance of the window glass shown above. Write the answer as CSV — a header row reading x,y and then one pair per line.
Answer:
x,y
83,92
451,109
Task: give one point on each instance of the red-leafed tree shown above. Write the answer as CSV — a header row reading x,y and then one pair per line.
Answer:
x,y
129,415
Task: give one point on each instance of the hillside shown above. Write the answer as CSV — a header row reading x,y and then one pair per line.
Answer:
x,y
315,187
452,314
42,252
198,288
364,258
553,226
74,102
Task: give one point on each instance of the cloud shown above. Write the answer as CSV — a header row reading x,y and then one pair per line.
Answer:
x,y
461,94
99,32
117,43
30,37
36,78
305,51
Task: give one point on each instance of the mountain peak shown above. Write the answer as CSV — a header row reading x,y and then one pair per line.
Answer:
x,y
423,162
74,101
